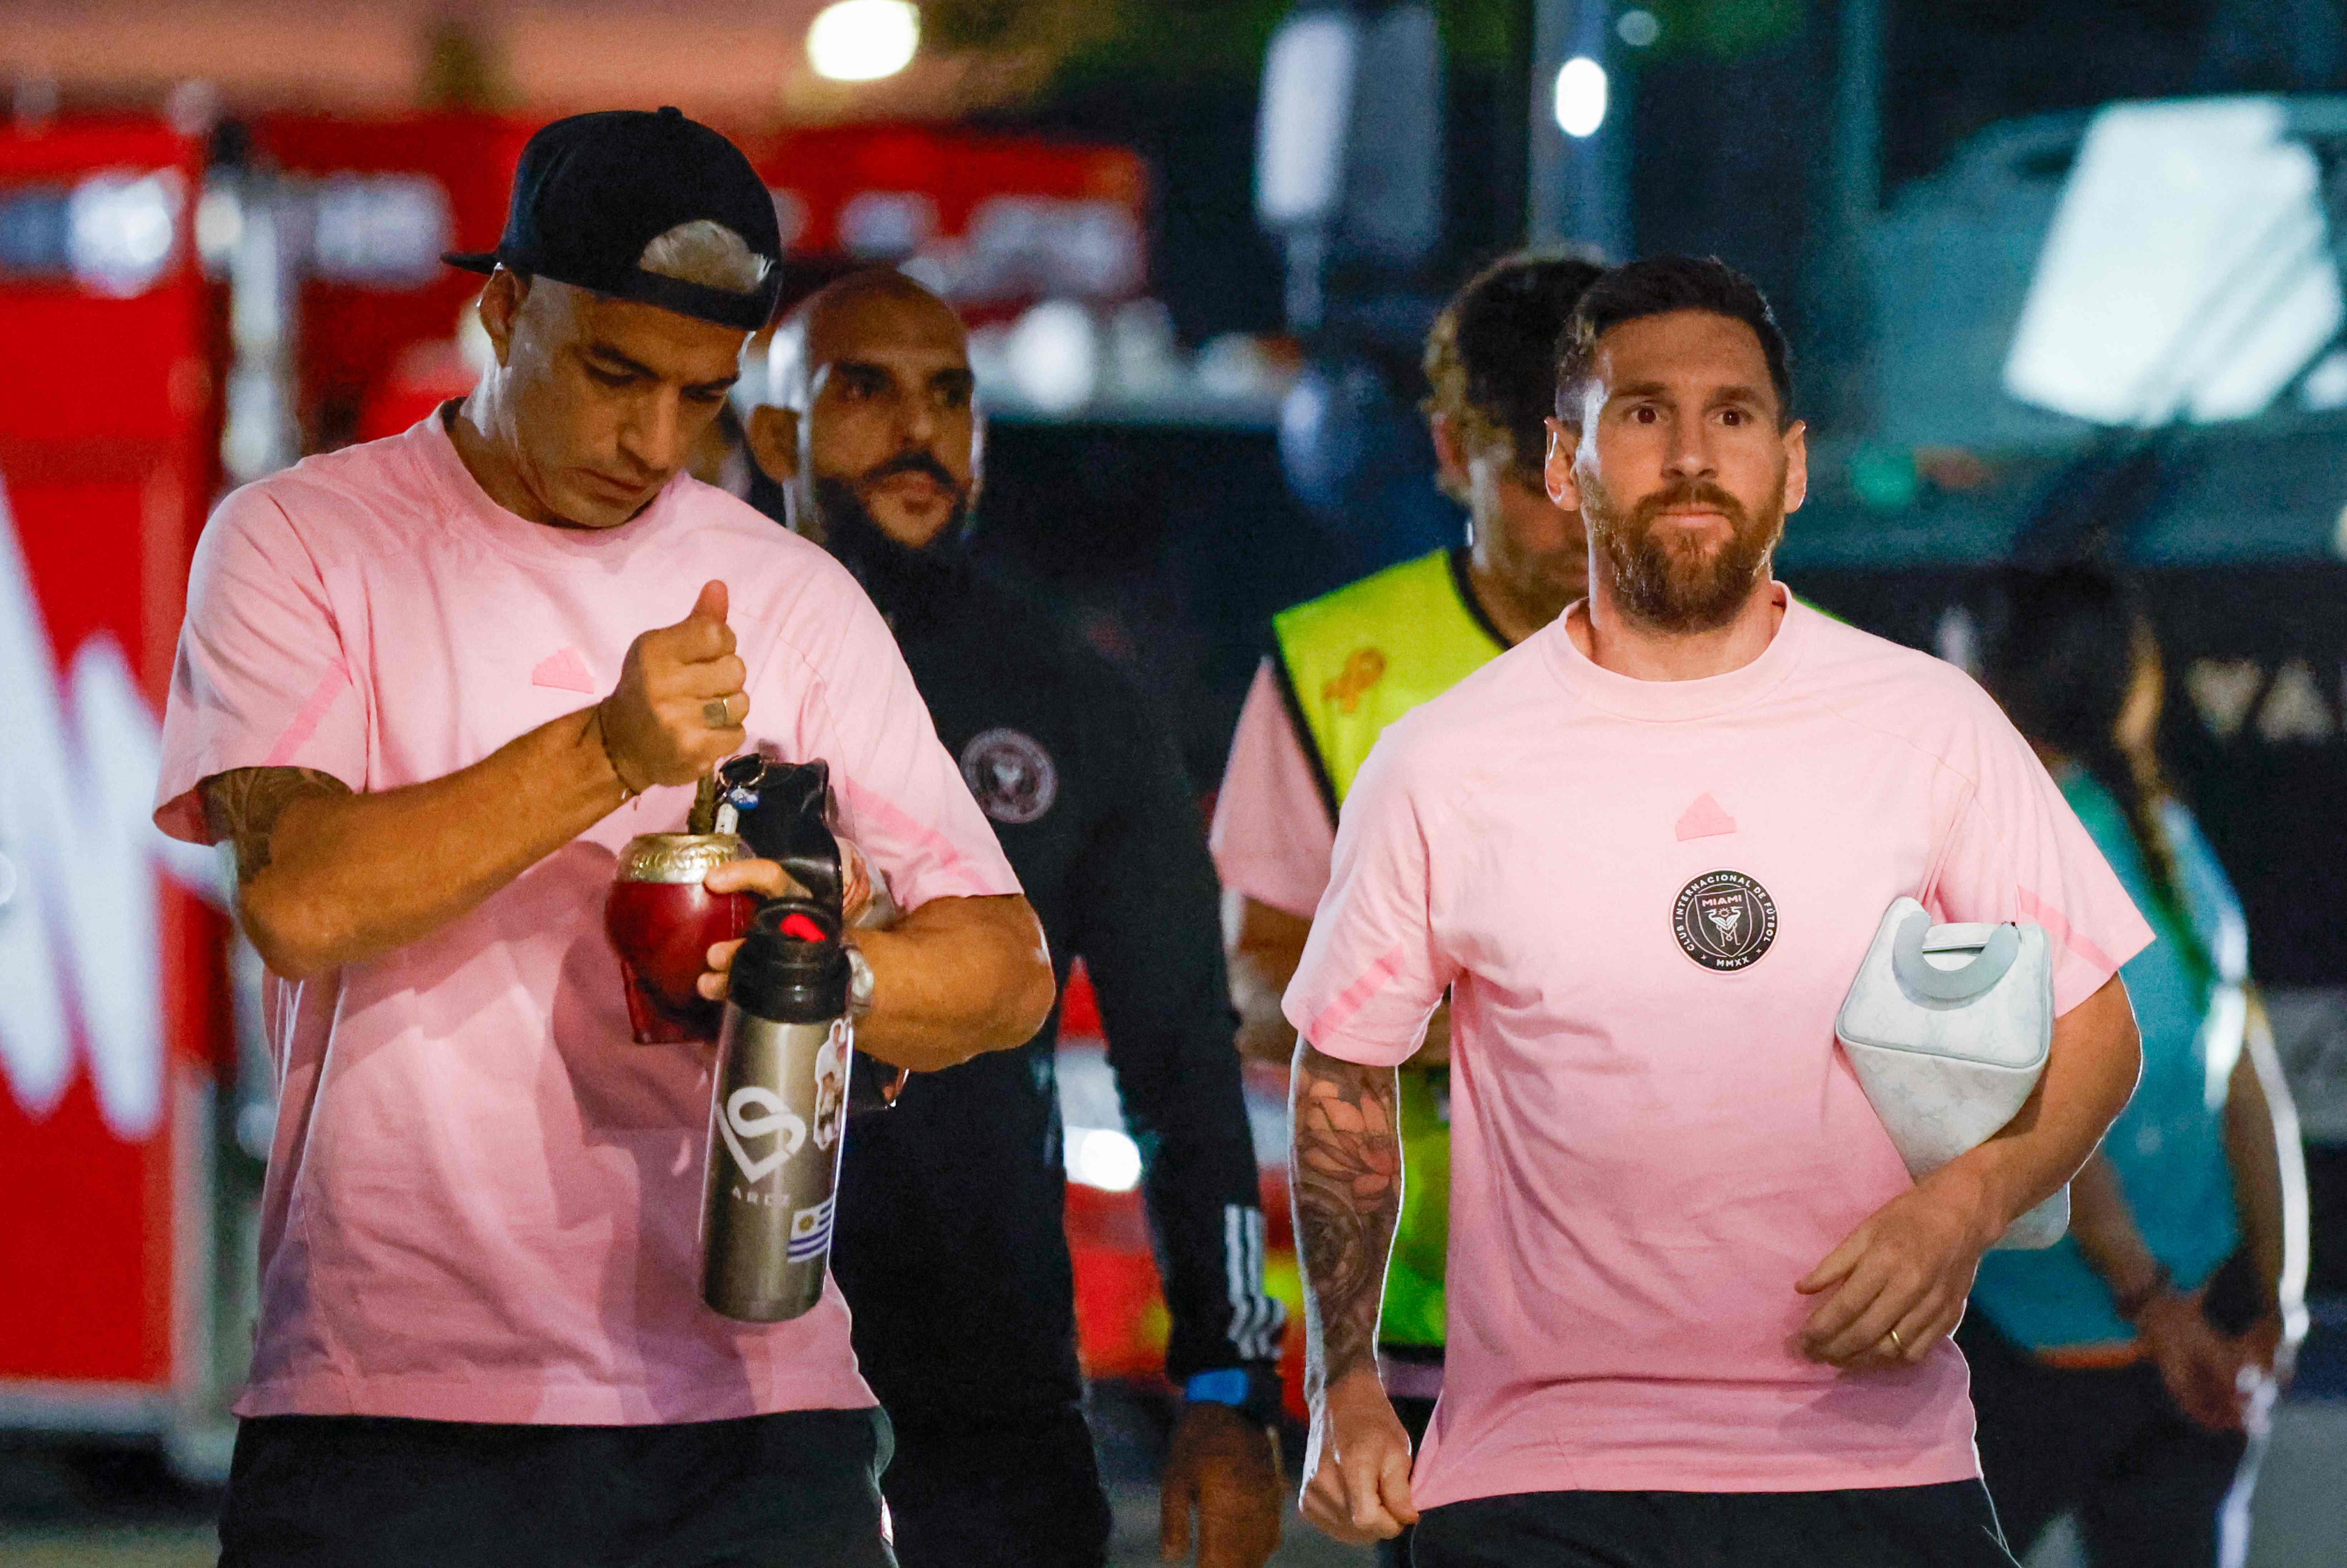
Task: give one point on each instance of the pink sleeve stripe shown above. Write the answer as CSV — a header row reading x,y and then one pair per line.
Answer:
x,y
1354,997
2057,927
331,685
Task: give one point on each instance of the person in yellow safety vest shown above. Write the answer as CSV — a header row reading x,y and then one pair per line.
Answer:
x,y
1347,664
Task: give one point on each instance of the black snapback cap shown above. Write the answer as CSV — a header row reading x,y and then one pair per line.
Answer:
x,y
592,191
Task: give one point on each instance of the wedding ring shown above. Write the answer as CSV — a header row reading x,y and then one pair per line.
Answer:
x,y
718,713
1896,1344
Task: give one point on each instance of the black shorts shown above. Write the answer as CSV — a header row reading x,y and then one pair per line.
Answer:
x,y
1947,1526
799,1489
1020,1491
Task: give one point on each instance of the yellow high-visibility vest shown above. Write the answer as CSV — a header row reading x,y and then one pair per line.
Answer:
x,y
1353,661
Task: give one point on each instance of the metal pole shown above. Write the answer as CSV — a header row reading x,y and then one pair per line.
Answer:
x,y
1579,184
1545,161
1604,157
1858,117
1839,327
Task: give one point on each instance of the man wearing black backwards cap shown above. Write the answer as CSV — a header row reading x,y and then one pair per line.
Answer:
x,y
416,697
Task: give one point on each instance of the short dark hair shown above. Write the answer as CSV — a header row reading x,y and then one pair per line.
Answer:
x,y
1490,357
2066,646
1656,286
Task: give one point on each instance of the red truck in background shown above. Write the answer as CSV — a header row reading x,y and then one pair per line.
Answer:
x,y
994,222
174,328
116,1024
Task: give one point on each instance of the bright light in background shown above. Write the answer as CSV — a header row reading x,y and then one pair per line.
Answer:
x,y
122,228
1639,29
2325,386
863,40
220,224
1581,96
1104,1158
1053,356
2187,270
1307,97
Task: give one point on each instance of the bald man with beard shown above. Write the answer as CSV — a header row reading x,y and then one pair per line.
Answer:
x,y
951,1247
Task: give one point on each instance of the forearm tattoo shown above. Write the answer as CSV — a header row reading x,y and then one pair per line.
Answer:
x,y
243,806
1346,1171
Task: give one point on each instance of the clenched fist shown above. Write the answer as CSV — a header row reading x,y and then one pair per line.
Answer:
x,y
678,707
1357,1463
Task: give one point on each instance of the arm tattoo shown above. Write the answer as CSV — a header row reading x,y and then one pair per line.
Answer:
x,y
242,807
1346,1169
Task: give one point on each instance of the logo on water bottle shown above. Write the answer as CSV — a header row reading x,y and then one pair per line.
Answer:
x,y
831,1086
752,1113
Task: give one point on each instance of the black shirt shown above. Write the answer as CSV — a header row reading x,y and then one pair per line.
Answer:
x,y
950,1244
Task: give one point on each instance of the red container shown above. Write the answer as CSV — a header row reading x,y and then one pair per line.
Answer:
x,y
662,923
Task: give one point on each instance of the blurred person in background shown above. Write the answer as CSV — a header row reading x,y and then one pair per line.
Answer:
x,y
1346,665
721,457
425,694
952,1243
2125,1373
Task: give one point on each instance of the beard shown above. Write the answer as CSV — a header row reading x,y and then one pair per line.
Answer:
x,y
1680,583
903,581
841,506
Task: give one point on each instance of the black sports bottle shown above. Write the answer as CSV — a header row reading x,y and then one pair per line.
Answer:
x,y
778,1117
783,811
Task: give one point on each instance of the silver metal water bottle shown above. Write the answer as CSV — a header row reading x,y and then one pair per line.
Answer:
x,y
778,1117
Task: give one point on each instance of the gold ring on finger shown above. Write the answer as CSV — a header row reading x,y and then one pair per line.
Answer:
x,y
718,713
1896,1343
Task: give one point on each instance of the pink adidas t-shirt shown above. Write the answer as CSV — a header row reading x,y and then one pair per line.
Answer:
x,y
1271,837
1649,898
482,1197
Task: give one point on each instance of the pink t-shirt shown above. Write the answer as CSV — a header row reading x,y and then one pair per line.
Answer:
x,y
1649,898
482,1197
1271,837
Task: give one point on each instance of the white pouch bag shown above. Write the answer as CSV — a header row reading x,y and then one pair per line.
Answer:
x,y
1947,1028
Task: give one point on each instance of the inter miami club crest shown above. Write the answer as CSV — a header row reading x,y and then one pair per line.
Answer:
x,y
1725,921
1011,775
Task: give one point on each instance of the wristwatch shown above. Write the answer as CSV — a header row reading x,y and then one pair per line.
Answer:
x,y
859,982
1254,1391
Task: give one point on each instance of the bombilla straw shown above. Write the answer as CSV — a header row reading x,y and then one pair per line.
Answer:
x,y
703,816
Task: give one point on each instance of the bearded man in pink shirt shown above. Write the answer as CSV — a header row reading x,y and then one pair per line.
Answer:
x,y
1698,1312
425,692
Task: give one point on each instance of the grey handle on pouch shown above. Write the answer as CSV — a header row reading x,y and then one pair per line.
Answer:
x,y
1997,947
777,1117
